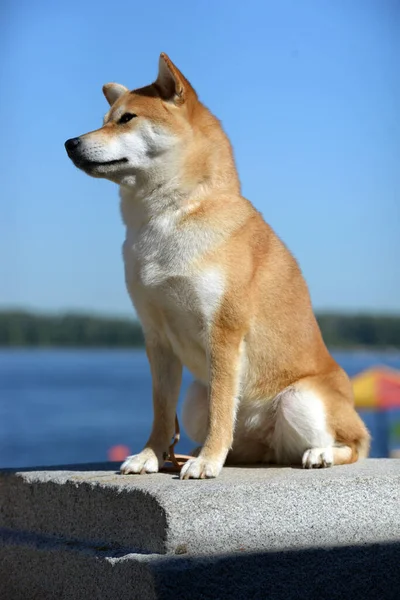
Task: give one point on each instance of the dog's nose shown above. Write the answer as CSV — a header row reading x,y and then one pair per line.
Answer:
x,y
72,144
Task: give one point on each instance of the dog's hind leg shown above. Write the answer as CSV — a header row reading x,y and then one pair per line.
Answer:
x,y
195,412
316,424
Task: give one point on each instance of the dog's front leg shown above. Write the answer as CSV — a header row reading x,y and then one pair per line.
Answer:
x,y
224,384
166,371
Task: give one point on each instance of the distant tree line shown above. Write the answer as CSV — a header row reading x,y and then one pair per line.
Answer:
x,y
19,329
343,331
70,330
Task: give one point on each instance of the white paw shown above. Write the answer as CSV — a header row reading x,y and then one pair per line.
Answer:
x,y
145,462
316,458
200,468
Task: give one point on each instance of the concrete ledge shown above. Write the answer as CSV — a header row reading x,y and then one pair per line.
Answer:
x,y
87,531
244,509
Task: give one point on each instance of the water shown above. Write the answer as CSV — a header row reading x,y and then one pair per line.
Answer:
x,y
64,407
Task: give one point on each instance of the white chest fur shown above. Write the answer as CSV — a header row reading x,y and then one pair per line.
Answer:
x,y
164,268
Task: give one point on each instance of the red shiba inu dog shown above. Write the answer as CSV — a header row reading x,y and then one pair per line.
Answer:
x,y
217,291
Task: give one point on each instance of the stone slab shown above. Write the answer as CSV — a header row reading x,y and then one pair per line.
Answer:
x,y
243,510
36,569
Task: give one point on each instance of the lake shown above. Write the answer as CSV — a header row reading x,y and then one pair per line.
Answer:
x,y
72,406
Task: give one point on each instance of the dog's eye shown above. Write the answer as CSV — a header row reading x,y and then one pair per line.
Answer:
x,y
126,117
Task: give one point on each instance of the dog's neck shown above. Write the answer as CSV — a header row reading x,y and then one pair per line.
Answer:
x,y
147,196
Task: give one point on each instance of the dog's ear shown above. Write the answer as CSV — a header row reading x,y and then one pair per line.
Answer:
x,y
113,91
172,85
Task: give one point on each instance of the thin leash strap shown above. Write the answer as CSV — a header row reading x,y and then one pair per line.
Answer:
x,y
175,462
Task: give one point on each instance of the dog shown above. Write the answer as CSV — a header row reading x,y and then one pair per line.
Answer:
x,y
216,291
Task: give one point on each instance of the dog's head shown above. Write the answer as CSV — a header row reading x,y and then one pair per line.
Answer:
x,y
143,130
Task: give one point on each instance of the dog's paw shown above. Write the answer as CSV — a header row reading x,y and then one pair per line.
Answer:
x,y
201,468
317,458
145,462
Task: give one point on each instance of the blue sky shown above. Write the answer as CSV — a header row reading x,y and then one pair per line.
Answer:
x,y
309,93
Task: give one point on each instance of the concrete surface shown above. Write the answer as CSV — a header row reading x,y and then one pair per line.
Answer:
x,y
89,532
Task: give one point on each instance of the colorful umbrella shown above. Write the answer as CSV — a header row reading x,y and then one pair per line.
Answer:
x,y
377,388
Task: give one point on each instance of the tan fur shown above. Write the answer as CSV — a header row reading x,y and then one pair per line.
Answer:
x,y
260,351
